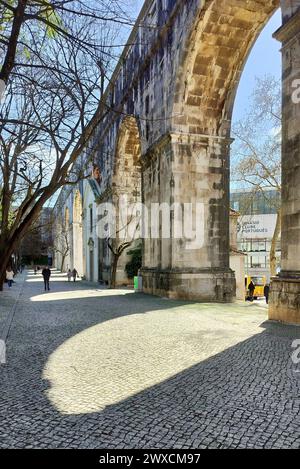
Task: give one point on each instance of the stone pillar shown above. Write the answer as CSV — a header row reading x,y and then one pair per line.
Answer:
x,y
192,170
285,289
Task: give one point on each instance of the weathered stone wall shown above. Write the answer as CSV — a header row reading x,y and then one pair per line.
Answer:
x,y
178,78
68,229
285,290
285,300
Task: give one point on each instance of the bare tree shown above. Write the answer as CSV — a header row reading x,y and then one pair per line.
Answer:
x,y
257,150
57,56
117,250
127,233
22,20
62,247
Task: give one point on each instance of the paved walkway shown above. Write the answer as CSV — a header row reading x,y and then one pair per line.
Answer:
x,y
94,368
7,301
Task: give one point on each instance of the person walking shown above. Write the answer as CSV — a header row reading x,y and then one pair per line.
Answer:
x,y
74,274
46,273
69,275
251,288
267,292
9,276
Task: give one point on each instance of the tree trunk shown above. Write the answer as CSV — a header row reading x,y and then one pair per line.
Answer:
x,y
2,280
273,259
63,262
9,60
113,274
5,259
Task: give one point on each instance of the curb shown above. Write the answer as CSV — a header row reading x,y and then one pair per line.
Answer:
x,y
11,314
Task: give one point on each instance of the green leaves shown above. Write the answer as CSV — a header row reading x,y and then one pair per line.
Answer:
x,y
52,17
26,53
6,15
46,11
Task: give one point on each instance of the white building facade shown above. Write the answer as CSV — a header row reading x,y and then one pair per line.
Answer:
x,y
256,227
77,241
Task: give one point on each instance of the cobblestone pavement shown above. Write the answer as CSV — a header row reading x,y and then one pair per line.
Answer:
x,y
93,368
7,301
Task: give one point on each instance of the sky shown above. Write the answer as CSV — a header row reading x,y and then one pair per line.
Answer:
x,y
265,59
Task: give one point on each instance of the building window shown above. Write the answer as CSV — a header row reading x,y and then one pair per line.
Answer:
x,y
245,245
259,245
257,262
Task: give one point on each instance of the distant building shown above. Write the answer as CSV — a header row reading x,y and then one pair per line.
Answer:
x,y
37,245
237,258
255,230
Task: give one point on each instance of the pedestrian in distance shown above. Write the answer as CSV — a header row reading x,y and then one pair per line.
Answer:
x,y
46,273
267,292
251,288
69,275
9,276
74,274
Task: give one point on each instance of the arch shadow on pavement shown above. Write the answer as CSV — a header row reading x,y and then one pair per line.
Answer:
x,y
120,369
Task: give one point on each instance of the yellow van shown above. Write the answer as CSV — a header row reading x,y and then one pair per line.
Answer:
x,y
259,283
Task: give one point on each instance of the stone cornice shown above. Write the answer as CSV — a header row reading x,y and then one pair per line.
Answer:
x,y
186,138
288,30
182,139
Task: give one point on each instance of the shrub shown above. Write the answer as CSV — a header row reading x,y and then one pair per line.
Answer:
x,y
135,263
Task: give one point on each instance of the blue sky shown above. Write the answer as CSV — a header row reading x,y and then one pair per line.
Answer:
x,y
265,58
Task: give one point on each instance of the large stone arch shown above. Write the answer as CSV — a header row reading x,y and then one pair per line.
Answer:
x,y
126,187
66,239
58,239
126,176
179,79
212,61
190,164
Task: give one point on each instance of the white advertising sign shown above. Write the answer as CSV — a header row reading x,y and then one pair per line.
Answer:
x,y
256,226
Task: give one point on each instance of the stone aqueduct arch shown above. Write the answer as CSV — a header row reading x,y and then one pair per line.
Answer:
x,y
77,234
126,182
178,77
127,159
66,238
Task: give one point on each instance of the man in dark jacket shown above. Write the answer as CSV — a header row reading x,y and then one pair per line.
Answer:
x,y
74,274
251,288
46,273
267,292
